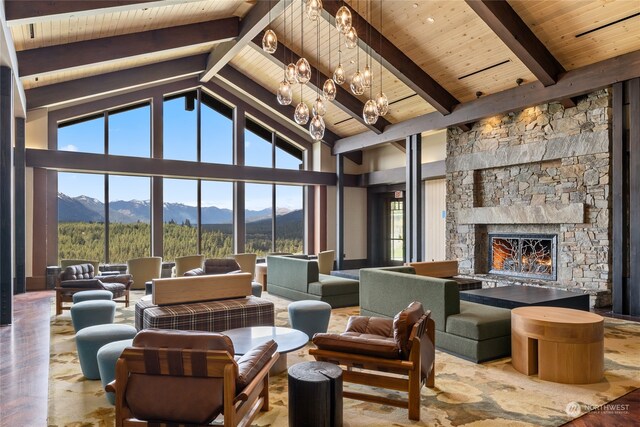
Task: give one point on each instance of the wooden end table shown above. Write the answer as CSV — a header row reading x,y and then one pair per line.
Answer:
x,y
560,344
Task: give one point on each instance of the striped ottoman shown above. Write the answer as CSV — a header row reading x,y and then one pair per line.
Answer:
x,y
212,316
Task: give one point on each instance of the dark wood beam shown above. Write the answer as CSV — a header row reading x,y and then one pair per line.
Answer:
x,y
110,82
512,30
24,12
254,22
399,64
344,99
572,83
47,59
431,170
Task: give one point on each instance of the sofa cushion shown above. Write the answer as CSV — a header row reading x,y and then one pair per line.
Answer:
x,y
251,363
220,266
479,322
353,342
75,272
403,324
370,325
194,272
332,285
291,273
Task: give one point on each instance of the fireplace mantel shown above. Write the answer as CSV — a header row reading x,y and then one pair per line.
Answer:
x,y
572,213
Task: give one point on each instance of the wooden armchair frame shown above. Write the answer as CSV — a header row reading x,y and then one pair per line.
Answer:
x,y
239,409
422,333
66,295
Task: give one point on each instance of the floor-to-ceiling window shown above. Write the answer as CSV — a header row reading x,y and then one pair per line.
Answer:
x,y
180,216
180,118
129,131
217,219
289,219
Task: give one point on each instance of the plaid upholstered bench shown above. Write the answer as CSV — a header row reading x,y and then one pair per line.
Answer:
x,y
212,316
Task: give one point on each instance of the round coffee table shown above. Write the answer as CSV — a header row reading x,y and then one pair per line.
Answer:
x,y
560,344
288,340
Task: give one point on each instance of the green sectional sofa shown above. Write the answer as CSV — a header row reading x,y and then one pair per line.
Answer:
x,y
473,331
298,279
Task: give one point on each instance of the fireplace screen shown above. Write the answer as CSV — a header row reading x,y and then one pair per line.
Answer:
x,y
523,255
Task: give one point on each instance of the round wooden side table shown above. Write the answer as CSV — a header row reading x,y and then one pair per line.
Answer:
x,y
560,344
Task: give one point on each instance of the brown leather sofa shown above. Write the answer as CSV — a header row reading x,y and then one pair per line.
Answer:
x,y
77,278
189,377
216,266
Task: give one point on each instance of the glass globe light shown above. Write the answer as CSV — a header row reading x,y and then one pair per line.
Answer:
x,y
285,93
343,19
301,116
329,90
357,83
382,103
269,41
351,38
339,75
290,73
367,77
314,9
370,112
303,71
319,109
316,128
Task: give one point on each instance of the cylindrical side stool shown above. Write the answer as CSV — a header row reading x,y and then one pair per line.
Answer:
x,y
92,295
256,289
91,313
89,340
315,395
107,357
309,317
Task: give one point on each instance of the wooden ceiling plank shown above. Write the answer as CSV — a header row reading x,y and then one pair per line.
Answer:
x,y
394,60
20,12
572,83
47,59
252,24
344,100
119,80
512,30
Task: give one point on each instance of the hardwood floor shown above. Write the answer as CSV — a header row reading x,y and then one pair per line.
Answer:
x,y
24,362
24,370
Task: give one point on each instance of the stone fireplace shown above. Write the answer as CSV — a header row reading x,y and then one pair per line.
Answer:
x,y
528,198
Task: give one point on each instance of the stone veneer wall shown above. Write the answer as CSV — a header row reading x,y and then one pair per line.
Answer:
x,y
542,170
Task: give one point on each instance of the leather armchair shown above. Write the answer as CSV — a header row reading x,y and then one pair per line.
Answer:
x,y
402,345
76,278
190,377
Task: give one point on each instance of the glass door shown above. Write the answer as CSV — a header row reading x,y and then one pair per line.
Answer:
x,y
396,230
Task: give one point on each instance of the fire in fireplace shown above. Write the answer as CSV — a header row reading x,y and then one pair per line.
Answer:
x,y
523,255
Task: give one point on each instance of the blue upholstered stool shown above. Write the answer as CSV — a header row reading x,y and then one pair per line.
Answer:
x,y
107,357
256,289
89,340
309,317
91,295
93,312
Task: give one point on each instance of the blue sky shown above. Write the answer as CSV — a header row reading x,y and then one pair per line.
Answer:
x,y
130,134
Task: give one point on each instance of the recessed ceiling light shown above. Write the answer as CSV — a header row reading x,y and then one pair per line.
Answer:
x,y
430,20
415,5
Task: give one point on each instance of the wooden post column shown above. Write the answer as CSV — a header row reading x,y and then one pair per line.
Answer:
x,y
238,186
634,197
6,169
157,196
413,200
340,212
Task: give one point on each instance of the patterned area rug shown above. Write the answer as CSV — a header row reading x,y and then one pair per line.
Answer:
x,y
466,394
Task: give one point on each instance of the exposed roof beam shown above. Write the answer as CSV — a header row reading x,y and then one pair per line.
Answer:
x,y
399,64
111,82
32,11
512,30
344,99
254,22
572,83
46,59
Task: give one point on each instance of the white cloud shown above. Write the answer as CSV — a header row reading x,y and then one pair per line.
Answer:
x,y
69,147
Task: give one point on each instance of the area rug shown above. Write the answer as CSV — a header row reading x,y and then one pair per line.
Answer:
x,y
466,394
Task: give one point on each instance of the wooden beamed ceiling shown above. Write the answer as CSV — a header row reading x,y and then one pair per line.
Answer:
x,y
435,55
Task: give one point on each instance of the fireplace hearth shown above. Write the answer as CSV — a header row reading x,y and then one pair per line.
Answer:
x,y
523,255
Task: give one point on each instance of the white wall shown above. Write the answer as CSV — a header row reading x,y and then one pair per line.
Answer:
x,y
355,221
435,222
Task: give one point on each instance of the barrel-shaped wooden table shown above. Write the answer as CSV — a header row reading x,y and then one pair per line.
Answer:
x,y
560,344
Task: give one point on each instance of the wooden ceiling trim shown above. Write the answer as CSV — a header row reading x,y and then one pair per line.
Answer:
x,y
47,59
27,12
397,62
254,22
512,30
572,83
344,100
110,82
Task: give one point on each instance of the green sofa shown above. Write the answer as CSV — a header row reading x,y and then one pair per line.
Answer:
x,y
473,331
298,279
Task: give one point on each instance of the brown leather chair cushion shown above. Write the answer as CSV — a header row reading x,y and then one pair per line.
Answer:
x,y
353,342
125,279
167,338
251,363
117,289
370,325
194,272
76,272
403,323
220,266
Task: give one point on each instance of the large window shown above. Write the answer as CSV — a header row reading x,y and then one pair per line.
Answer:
x,y
217,219
180,216
217,131
129,218
258,218
85,136
180,120
130,132
257,146
289,219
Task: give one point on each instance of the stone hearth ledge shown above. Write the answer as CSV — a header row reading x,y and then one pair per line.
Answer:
x,y
543,214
